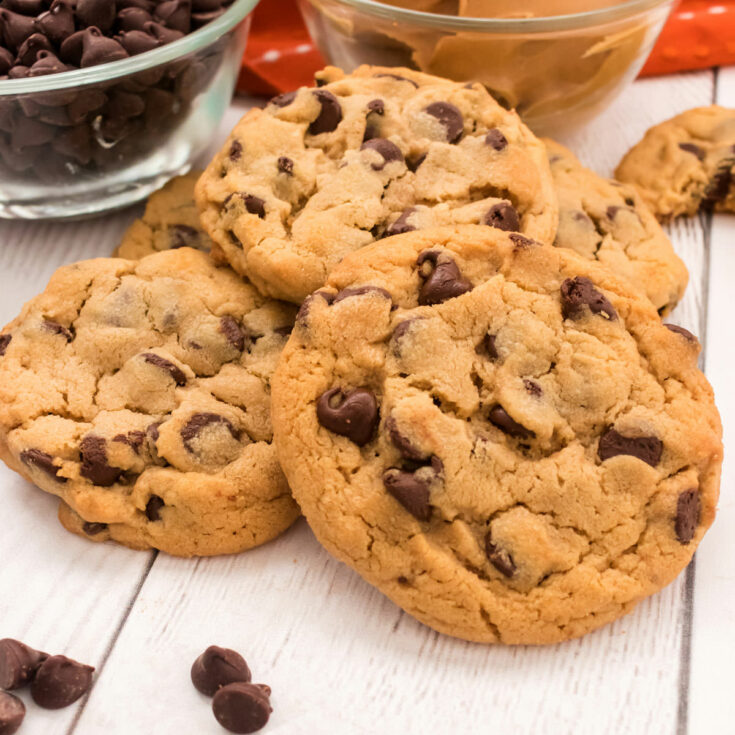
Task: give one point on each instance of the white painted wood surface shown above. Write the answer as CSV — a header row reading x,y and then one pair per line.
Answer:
x,y
340,657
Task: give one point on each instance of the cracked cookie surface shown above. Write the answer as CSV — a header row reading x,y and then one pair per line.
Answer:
x,y
500,435
604,220
170,221
686,163
322,172
138,392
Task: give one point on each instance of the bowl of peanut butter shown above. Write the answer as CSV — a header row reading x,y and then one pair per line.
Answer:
x,y
557,62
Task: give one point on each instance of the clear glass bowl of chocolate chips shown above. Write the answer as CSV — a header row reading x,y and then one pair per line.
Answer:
x,y
102,101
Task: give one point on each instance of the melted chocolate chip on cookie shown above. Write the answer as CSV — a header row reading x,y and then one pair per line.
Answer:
x,y
580,292
353,414
688,510
95,466
41,461
646,448
442,281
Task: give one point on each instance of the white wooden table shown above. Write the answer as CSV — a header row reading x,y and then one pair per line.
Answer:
x,y
340,657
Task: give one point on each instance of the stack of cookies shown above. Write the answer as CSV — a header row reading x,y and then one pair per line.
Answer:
x,y
388,305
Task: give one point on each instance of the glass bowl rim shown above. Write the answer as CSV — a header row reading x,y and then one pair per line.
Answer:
x,y
192,42
543,24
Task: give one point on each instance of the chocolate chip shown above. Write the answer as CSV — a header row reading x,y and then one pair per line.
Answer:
x,y
304,308
283,100
41,461
502,216
161,362
99,13
450,117
444,280
235,152
134,439
612,211
414,163
60,681
199,421
488,347
56,328
241,707
29,49
15,28
12,712
532,387
719,186
5,340
154,504
93,529
233,332
688,509
95,466
162,33
330,115
175,14
354,414
133,19
388,150
137,42
377,107
688,336
183,236
692,148
576,293
646,448
521,241
410,490
499,557
495,139
500,418
18,663
397,78
97,49
285,165
57,23
402,443
216,668
402,225
347,293
6,60
253,205
403,327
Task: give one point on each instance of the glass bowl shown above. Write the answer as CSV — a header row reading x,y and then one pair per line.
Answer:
x,y
556,71
85,141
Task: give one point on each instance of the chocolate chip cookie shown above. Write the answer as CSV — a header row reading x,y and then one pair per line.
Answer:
x,y
139,393
604,220
685,164
322,172
170,221
500,435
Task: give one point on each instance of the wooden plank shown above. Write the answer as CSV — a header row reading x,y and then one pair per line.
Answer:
x,y
711,704
341,658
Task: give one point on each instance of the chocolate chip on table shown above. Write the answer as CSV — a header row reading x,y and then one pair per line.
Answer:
x,y
200,421
242,707
450,117
41,461
216,668
95,466
411,490
353,414
5,340
688,336
694,149
330,115
444,281
18,663
154,504
646,448
500,418
576,293
92,529
174,371
502,216
500,558
60,681
388,150
495,139
12,712
688,509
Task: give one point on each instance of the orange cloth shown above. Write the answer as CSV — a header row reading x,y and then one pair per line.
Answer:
x,y
281,56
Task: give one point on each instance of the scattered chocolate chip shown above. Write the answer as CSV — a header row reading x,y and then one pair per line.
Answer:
x,y
402,443
688,336
500,418
241,707
499,557
410,490
285,165
12,712
347,293
646,448
402,225
450,117
688,509
488,347
5,340
60,681
41,461
235,152
216,668
283,100
56,328
161,362
532,387
18,663
330,115
502,216
377,107
236,336
93,529
495,139
154,504
353,414
95,466
414,163
692,148
304,308
576,293
388,150
397,78
199,421
443,282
